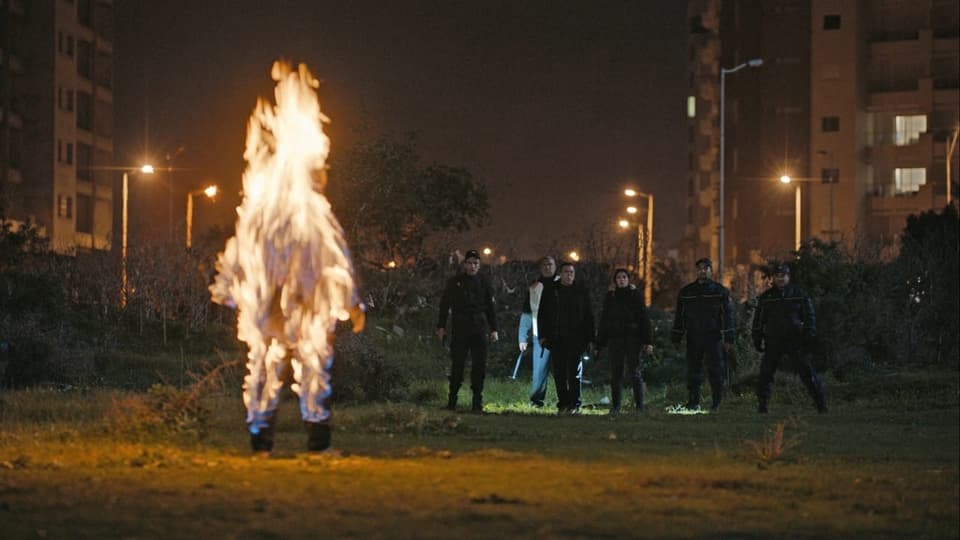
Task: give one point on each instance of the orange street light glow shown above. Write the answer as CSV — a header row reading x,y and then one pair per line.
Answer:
x,y
630,192
631,209
210,191
147,169
785,179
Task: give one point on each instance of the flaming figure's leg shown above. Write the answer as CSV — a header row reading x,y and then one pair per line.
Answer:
x,y
261,389
311,371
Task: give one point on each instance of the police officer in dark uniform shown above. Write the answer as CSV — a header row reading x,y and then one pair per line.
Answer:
x,y
470,298
705,314
785,330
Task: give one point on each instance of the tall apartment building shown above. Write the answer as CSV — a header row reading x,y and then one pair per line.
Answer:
x,y
56,130
856,101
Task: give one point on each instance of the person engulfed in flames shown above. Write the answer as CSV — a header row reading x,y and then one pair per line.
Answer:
x,y
287,270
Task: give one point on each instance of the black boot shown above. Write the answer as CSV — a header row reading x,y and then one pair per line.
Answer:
x,y
694,402
815,389
616,393
477,405
318,436
452,398
717,393
638,394
762,402
262,440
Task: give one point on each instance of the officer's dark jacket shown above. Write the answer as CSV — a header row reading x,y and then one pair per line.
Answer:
x,y
784,314
566,316
471,300
624,316
704,310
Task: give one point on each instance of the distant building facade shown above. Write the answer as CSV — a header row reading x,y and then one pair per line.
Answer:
x,y
56,119
856,100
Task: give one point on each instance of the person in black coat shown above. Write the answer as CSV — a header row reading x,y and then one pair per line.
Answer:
x,y
625,328
705,314
567,329
785,330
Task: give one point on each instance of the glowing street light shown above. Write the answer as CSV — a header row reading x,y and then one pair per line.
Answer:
x,y
785,179
145,169
754,63
623,223
574,256
647,245
211,192
487,251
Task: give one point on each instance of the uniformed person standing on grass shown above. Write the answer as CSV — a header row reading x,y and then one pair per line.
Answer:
x,y
785,330
470,298
705,315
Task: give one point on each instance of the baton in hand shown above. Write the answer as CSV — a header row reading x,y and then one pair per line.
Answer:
x,y
517,366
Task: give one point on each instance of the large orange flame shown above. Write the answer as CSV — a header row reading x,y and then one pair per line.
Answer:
x,y
287,270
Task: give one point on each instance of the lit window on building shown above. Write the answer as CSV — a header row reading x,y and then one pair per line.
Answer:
x,y
691,106
64,206
907,129
907,181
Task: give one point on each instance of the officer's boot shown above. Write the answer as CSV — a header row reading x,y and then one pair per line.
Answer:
x,y
477,405
452,398
815,387
261,437
617,397
694,402
638,392
762,402
318,436
716,392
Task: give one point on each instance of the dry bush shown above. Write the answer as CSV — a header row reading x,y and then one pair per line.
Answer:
x,y
774,443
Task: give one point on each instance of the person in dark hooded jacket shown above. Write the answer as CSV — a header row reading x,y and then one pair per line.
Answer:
x,y
625,329
567,330
785,330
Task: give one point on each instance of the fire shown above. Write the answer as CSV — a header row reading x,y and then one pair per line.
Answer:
x,y
287,270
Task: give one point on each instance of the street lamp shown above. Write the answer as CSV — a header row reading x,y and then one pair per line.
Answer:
x,y
145,169
574,256
211,192
785,179
951,146
648,241
754,63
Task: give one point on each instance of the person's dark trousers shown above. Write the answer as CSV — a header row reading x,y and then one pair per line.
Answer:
x,y
476,346
625,352
566,375
700,350
800,362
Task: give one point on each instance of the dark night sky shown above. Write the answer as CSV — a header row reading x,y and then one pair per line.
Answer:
x,y
556,106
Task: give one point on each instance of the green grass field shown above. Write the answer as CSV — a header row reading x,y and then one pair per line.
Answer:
x,y
876,466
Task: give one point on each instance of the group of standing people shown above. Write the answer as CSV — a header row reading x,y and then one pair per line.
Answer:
x,y
557,323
